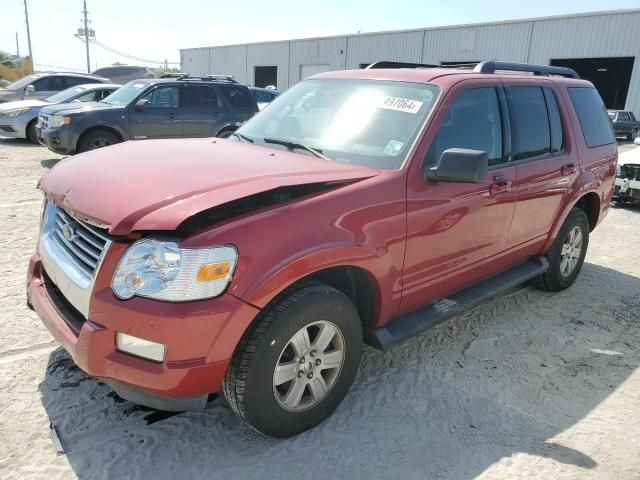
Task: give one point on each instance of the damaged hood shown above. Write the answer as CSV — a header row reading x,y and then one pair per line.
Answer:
x,y
157,184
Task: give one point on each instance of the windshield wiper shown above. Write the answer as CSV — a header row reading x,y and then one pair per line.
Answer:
x,y
299,146
242,137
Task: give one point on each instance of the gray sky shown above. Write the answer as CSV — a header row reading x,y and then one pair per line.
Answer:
x,y
155,30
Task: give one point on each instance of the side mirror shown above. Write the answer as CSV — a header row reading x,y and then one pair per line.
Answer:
x,y
29,89
459,165
143,102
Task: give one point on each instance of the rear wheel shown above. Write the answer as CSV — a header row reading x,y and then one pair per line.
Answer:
x,y
633,135
296,363
31,132
96,139
567,253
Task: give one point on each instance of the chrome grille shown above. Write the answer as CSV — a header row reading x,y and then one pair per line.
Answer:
x,y
43,120
85,243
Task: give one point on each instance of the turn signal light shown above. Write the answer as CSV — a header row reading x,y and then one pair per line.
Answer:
x,y
214,271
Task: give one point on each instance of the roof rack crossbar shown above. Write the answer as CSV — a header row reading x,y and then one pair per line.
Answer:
x,y
224,78
388,64
493,66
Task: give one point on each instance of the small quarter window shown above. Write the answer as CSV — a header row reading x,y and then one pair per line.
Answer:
x,y
555,122
592,114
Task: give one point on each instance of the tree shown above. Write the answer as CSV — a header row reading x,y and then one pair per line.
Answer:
x,y
5,59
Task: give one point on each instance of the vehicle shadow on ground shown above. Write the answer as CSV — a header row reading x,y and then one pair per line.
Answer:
x,y
50,162
507,377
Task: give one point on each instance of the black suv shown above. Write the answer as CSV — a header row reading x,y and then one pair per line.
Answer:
x,y
149,108
624,124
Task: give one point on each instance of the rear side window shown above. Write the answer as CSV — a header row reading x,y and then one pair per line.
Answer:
x,y
473,121
239,97
201,97
596,126
529,122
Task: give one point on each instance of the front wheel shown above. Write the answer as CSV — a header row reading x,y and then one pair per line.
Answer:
x,y
32,136
96,139
295,364
567,253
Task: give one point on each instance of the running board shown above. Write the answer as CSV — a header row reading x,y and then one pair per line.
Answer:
x,y
406,326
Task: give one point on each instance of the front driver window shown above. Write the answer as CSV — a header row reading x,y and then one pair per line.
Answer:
x,y
473,121
163,97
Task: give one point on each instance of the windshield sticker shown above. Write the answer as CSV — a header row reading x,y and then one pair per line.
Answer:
x,y
393,148
400,104
138,85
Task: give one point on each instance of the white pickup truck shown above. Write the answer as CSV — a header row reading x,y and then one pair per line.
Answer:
x,y
628,176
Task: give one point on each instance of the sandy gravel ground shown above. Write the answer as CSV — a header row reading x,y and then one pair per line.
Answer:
x,y
531,385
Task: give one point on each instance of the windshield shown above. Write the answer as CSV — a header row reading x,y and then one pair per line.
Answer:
x,y
364,122
65,95
23,82
125,95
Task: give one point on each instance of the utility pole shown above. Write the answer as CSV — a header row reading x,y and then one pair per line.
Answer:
x,y
17,46
86,35
26,17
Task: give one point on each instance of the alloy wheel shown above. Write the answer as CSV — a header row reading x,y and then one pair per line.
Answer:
x,y
308,366
571,251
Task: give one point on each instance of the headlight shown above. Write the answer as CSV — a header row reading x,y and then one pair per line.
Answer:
x,y
59,120
162,270
15,112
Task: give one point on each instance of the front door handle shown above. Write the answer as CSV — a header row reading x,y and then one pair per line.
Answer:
x,y
501,186
568,169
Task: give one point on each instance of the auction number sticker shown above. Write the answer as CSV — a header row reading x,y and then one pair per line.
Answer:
x,y
400,104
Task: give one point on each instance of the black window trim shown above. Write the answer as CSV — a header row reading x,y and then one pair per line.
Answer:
x,y
544,156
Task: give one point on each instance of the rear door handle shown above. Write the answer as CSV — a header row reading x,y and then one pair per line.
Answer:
x,y
568,169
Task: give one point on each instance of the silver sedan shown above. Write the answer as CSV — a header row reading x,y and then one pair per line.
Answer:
x,y
18,119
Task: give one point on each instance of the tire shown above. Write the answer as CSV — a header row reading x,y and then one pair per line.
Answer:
x,y
96,139
633,135
561,274
31,132
225,133
251,385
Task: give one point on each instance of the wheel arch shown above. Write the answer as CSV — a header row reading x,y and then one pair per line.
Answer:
x,y
96,128
227,128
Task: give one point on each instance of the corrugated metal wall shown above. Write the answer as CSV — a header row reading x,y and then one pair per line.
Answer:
x,y
612,34
401,47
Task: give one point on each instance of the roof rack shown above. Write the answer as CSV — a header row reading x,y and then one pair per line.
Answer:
x,y
492,67
487,67
218,78
388,64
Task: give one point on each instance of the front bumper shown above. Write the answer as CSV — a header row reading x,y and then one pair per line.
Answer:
x,y
200,338
627,189
58,140
12,127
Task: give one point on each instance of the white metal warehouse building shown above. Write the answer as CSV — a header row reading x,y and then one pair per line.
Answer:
x,y
602,47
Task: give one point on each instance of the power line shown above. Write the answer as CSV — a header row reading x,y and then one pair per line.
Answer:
x,y
130,57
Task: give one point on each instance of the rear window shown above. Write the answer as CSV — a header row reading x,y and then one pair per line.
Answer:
x,y
594,121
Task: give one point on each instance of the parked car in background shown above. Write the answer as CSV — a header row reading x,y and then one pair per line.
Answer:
x,y
628,176
124,73
152,108
40,85
263,96
361,206
624,124
18,119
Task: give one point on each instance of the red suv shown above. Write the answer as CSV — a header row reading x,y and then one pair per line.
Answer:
x,y
361,206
